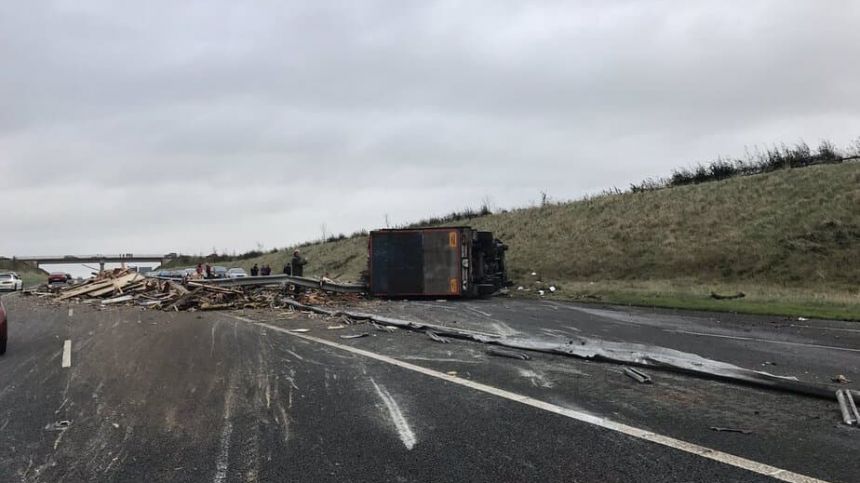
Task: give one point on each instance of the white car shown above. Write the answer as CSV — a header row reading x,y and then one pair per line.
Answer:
x,y
236,273
10,282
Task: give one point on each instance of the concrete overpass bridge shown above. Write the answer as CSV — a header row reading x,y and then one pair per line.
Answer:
x,y
100,259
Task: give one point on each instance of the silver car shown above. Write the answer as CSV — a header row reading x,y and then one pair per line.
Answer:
x,y
236,273
10,282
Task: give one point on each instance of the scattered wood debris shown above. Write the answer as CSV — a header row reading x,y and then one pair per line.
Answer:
x,y
125,287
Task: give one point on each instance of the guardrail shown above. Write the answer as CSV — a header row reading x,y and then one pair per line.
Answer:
x,y
280,280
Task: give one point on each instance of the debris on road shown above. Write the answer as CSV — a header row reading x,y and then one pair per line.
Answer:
x,y
495,351
739,295
123,286
730,430
590,348
436,337
848,407
58,426
637,375
383,328
840,379
354,336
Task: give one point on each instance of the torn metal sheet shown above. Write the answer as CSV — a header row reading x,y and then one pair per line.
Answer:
x,y
608,351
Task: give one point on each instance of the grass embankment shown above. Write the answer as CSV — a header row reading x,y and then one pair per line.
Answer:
x,y
790,240
28,273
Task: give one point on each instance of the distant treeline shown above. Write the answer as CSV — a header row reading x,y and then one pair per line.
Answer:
x,y
780,157
188,260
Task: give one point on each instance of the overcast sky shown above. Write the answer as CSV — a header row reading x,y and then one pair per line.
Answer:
x,y
165,126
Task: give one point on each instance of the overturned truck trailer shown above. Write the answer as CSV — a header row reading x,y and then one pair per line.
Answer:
x,y
436,262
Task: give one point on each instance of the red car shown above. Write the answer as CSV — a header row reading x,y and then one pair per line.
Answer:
x,y
58,277
3,328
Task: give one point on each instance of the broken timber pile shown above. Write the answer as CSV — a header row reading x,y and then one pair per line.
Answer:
x,y
122,286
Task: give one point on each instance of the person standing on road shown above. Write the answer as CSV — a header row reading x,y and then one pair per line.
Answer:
x,y
208,271
266,270
288,269
298,264
255,270
199,270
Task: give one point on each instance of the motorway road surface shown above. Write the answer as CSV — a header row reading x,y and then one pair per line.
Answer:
x,y
240,396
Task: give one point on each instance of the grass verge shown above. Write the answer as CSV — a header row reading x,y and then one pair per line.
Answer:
x,y
759,299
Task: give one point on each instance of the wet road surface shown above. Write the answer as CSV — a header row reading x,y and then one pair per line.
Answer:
x,y
237,396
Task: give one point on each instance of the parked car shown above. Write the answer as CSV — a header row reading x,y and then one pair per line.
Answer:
x,y
219,272
237,273
3,328
10,282
58,277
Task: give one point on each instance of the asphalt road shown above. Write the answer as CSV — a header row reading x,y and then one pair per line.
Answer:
x,y
237,396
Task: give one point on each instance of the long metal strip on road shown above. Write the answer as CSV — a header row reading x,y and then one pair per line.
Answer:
x,y
263,280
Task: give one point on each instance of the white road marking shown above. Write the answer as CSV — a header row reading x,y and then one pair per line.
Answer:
x,y
295,355
403,429
479,312
71,311
643,434
67,353
223,460
769,341
212,346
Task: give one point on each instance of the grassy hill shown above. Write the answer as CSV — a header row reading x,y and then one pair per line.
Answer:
x,y
789,240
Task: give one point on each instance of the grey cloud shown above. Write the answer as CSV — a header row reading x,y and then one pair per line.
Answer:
x,y
203,124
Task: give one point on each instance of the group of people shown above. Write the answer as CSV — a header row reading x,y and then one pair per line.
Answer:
x,y
294,267
203,270
264,270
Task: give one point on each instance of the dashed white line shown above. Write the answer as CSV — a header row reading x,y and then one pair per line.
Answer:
x,y
643,434
403,429
295,355
222,462
67,354
71,311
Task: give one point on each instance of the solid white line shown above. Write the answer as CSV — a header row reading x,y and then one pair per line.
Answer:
x,y
736,337
67,354
403,429
643,434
